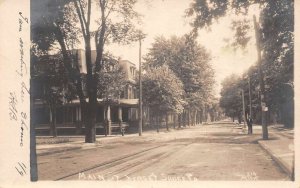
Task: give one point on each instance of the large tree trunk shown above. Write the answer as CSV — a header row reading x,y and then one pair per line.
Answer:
x,y
158,123
239,119
189,117
151,118
90,128
92,77
201,116
167,123
72,73
195,118
53,129
179,119
184,118
198,117
212,116
204,114
174,120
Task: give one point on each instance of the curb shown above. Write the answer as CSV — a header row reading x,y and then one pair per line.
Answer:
x,y
283,165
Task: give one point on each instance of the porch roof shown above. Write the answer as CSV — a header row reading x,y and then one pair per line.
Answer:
x,y
121,102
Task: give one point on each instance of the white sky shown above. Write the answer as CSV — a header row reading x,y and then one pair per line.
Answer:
x,y
166,17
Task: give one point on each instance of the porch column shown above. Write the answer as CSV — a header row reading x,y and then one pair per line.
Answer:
x,y
79,113
120,115
77,120
76,114
108,120
50,116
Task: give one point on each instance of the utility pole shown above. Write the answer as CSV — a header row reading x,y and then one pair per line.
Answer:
x,y
261,83
250,131
140,90
243,100
250,98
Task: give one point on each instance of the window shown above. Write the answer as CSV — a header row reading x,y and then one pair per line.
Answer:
x,y
122,95
132,71
129,92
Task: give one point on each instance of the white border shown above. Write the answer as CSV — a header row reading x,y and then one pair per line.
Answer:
x,y
10,132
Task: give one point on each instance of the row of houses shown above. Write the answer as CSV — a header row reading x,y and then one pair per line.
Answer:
x,y
122,110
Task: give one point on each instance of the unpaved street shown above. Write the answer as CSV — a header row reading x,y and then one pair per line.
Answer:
x,y
204,152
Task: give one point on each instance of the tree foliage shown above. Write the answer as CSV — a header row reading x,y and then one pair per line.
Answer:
x,y
54,30
276,30
50,84
280,107
49,16
112,79
119,30
231,98
190,63
64,23
163,91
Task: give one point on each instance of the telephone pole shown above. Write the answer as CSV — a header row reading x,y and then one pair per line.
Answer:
x,y
261,83
250,98
250,121
243,100
140,90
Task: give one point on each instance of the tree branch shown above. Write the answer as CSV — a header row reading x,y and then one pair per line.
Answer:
x,y
67,63
88,16
80,19
109,11
96,39
100,45
82,12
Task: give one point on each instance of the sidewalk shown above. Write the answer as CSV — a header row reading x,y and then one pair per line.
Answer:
x,y
280,147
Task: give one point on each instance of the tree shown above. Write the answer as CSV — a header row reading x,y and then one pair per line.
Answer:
x,y
214,110
54,30
163,91
58,24
278,57
109,30
56,89
276,29
190,63
112,79
230,99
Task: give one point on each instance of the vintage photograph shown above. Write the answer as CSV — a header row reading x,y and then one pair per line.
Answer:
x,y
162,90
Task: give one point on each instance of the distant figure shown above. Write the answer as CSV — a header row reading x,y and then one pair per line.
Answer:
x,y
249,122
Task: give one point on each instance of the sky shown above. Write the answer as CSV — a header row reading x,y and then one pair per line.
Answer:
x,y
166,17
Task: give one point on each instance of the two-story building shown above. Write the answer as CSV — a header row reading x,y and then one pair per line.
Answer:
x,y
68,118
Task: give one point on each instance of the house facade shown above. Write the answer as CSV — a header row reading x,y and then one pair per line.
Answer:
x,y
110,115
